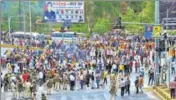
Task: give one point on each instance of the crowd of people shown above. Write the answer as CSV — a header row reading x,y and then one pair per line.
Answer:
x,y
92,63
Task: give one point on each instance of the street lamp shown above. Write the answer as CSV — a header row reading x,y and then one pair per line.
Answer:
x,y
9,21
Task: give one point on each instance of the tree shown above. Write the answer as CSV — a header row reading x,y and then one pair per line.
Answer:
x,y
101,26
123,7
97,14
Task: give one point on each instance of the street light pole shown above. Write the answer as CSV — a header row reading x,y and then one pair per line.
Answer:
x,y
166,46
9,21
157,76
24,23
30,26
30,15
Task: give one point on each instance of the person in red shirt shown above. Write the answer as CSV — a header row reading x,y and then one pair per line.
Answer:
x,y
25,77
3,62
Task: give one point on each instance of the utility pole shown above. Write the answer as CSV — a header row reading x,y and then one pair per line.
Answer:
x,y
157,74
167,15
19,12
30,16
20,16
166,46
30,24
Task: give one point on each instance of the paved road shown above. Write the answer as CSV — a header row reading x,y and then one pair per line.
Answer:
x,y
99,95
89,94
103,94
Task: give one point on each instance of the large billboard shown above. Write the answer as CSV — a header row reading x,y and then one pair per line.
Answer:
x,y
168,14
58,11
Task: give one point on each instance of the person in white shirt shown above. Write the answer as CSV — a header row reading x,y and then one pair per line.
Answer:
x,y
114,67
122,86
81,78
72,82
16,69
41,78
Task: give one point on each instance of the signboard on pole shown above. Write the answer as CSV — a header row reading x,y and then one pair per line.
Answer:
x,y
169,5
156,31
148,32
59,11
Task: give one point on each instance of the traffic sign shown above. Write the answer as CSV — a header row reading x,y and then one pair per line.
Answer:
x,y
156,31
148,31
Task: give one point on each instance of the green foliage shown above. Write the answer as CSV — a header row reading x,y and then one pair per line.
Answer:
x,y
100,16
171,32
101,26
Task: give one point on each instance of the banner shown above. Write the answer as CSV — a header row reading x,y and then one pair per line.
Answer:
x,y
59,11
156,31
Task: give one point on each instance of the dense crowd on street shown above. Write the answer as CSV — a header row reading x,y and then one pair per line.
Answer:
x,y
91,63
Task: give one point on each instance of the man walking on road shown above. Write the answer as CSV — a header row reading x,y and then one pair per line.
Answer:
x,y
128,82
122,86
140,82
151,77
137,85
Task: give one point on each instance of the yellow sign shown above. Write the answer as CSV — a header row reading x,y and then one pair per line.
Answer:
x,y
156,31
